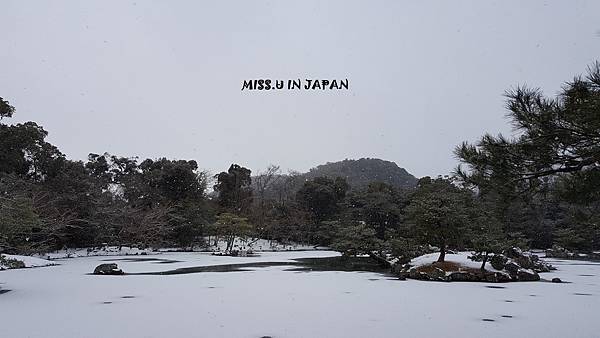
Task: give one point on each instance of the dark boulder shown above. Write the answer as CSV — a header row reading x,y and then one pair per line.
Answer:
x,y
497,277
398,268
527,260
527,275
402,275
108,269
512,268
415,274
437,274
462,276
556,280
542,267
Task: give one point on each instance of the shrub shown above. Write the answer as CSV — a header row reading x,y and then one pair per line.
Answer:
x,y
11,263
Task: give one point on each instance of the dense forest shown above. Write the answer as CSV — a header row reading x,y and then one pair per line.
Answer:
x,y
538,189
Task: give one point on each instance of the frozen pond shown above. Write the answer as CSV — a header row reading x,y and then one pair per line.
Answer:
x,y
66,301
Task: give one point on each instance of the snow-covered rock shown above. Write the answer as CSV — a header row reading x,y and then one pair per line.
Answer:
x,y
18,261
108,269
527,275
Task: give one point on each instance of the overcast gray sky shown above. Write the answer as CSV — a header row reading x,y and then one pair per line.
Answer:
x,y
155,79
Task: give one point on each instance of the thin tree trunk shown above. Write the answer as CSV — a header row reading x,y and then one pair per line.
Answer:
x,y
442,252
485,258
230,240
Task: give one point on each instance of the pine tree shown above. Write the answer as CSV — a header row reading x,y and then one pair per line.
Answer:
x,y
439,211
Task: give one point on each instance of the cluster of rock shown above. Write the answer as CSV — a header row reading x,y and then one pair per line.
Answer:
x,y
512,265
108,269
438,274
562,253
515,257
521,266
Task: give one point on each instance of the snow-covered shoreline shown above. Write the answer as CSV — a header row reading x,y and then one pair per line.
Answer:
x,y
28,261
257,245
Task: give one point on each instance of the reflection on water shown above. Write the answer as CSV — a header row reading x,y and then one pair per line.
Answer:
x,y
361,264
136,259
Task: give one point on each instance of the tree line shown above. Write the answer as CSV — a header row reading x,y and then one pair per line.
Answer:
x,y
537,189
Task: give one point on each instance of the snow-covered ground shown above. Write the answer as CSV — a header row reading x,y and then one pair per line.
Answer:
x,y
259,245
100,251
461,258
65,301
30,262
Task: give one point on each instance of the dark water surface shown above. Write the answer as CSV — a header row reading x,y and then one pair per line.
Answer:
x,y
364,264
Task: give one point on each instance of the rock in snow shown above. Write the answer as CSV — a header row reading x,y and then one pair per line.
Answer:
x,y
108,269
527,275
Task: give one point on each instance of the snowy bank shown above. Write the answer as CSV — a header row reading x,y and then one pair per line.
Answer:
x,y
461,258
97,251
17,261
257,244
211,245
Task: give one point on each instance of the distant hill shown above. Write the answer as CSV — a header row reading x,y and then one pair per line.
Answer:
x,y
361,172
358,174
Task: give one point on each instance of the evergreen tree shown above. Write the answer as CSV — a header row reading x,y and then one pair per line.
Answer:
x,y
229,227
357,239
379,205
439,211
320,196
486,235
6,110
555,153
234,189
